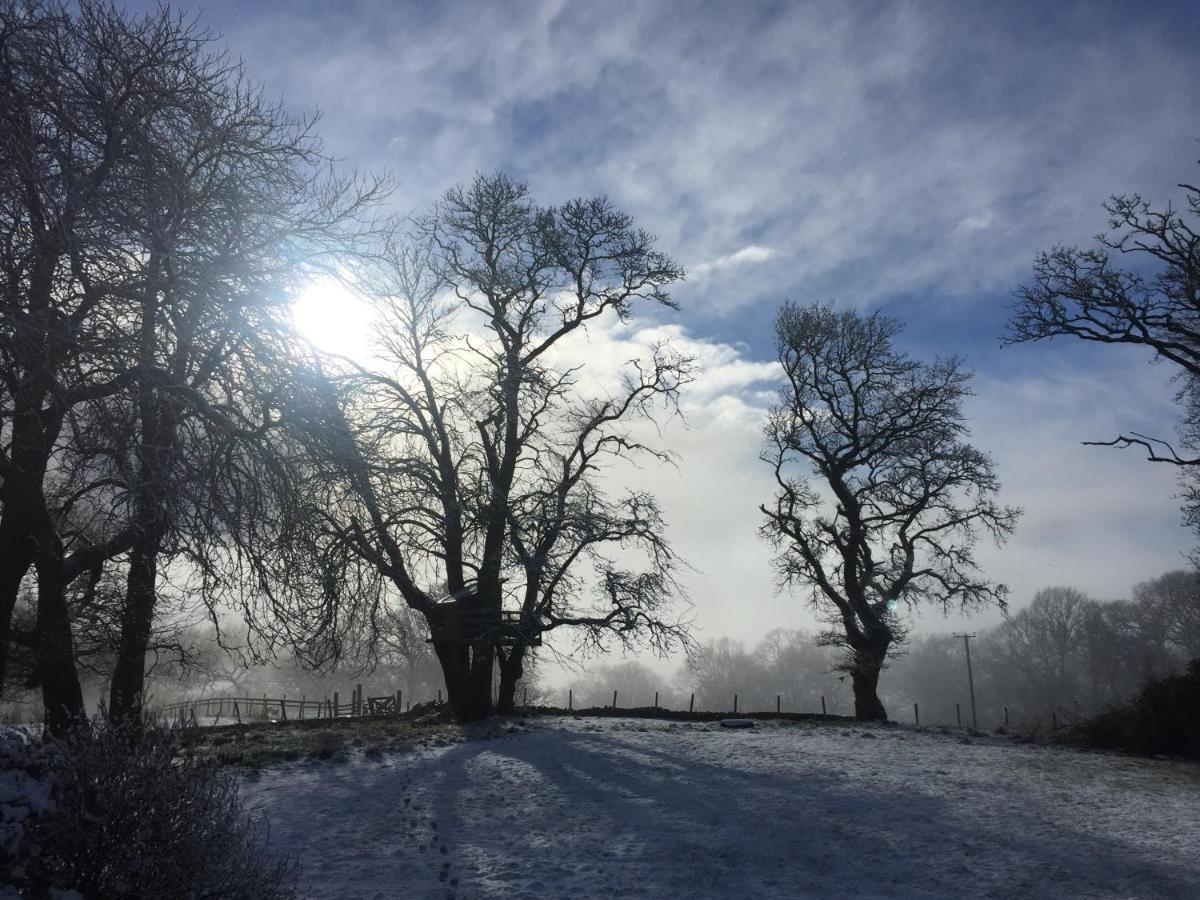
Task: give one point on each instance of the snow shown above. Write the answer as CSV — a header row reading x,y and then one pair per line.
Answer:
x,y
28,788
562,807
26,785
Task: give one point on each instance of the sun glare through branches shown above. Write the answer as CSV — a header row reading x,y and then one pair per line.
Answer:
x,y
331,317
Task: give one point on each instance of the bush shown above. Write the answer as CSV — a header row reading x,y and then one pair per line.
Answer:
x,y
112,812
1164,719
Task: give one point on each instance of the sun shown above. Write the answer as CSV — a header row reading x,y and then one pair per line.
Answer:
x,y
333,319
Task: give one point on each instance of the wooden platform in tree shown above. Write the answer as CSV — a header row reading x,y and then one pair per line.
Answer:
x,y
503,628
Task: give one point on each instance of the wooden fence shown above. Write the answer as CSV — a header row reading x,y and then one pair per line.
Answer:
x,y
204,710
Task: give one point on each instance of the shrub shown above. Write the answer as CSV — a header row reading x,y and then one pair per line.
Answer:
x,y
29,789
1163,719
117,814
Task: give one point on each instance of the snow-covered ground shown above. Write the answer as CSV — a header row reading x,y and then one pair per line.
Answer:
x,y
634,808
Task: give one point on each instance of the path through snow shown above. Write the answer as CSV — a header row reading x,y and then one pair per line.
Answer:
x,y
635,808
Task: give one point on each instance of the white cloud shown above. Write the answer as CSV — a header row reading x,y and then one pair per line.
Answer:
x,y
745,256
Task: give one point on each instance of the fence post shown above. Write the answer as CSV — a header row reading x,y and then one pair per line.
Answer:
x,y
1006,717
570,698
237,712
777,706
735,704
439,695
656,699
692,703
958,714
614,699
336,711
916,714
358,690
823,705
399,701
283,707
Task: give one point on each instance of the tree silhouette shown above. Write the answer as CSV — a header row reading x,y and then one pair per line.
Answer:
x,y
1139,286
470,458
897,497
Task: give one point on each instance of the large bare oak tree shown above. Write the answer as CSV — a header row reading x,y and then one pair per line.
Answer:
x,y
471,479
880,500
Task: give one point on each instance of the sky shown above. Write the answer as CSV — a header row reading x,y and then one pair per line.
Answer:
x,y
905,157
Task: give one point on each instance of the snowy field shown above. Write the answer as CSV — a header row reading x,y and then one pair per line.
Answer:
x,y
636,808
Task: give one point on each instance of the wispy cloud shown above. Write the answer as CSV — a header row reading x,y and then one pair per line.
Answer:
x,y
745,256
882,150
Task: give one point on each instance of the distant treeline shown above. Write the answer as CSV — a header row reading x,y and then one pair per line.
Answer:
x,y
786,664
1063,656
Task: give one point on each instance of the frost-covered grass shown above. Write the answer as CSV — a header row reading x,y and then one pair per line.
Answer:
x,y
564,807
266,743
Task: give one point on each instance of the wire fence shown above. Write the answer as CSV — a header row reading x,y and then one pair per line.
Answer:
x,y
225,710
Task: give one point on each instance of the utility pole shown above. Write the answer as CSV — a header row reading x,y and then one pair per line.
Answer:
x,y
970,678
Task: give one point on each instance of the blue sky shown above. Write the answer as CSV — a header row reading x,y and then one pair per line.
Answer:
x,y
910,157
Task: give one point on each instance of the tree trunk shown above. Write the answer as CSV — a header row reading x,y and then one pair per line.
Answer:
x,y
865,678
466,654
62,696
34,429
22,514
16,556
511,671
467,669
159,442
127,691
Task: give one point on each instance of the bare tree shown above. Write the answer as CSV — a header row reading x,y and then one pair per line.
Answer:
x,y
721,668
67,110
156,209
243,203
900,498
634,683
471,462
797,669
1171,604
1139,286
1041,647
